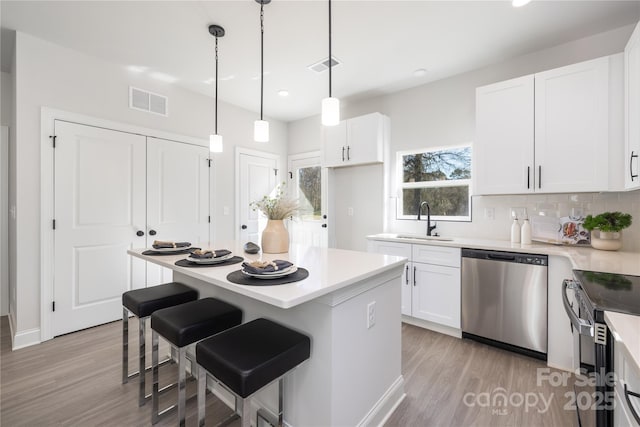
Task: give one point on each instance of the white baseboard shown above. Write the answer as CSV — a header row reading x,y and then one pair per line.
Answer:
x,y
447,330
385,406
23,338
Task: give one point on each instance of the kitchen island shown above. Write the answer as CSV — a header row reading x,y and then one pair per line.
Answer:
x,y
353,376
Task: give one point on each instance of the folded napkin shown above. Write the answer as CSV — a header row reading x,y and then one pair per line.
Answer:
x,y
209,254
158,244
261,267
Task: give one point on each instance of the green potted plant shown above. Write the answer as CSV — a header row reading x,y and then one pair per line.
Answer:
x,y
606,229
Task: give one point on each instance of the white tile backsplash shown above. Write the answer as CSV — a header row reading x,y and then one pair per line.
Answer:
x,y
555,204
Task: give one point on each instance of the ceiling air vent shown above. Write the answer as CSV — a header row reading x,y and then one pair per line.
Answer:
x,y
323,65
143,100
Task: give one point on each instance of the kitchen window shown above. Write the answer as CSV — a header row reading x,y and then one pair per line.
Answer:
x,y
439,176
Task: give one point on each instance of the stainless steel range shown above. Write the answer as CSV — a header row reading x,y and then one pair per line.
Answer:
x,y
585,300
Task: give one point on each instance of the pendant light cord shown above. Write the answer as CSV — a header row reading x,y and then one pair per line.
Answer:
x,y
261,56
216,112
330,59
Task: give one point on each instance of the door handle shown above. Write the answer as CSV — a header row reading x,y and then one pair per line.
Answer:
x,y
348,152
414,276
244,227
324,217
152,232
631,165
628,393
539,176
528,177
324,225
139,233
406,274
343,154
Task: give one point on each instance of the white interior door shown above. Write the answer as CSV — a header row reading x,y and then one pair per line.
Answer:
x,y
177,197
256,175
307,183
99,208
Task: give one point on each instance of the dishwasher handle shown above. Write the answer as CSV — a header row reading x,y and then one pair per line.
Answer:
x,y
501,257
583,327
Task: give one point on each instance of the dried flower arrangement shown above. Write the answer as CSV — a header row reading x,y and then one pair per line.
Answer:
x,y
279,206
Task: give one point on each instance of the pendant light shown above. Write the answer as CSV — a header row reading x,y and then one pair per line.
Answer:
x,y
261,127
215,140
330,105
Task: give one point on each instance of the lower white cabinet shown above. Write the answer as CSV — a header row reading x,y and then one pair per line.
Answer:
x,y
436,294
627,377
430,281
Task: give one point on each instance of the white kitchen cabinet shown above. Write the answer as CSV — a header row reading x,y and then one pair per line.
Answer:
x,y
436,294
356,141
430,282
397,249
504,137
548,132
631,164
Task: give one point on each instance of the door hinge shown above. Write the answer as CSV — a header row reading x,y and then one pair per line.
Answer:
x,y
53,140
209,161
54,224
209,218
275,172
290,175
53,306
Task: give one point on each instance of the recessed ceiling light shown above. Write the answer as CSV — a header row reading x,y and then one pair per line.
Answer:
x,y
163,77
519,3
283,92
420,72
137,68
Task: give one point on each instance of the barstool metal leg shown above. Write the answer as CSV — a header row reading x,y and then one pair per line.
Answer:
x,y
125,345
141,365
280,401
246,412
182,383
154,368
202,394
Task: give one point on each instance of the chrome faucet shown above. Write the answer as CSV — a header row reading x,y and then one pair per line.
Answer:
x,y
430,228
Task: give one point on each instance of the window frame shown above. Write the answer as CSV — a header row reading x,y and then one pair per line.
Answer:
x,y
401,186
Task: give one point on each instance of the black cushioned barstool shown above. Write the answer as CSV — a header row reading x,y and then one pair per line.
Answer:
x,y
182,326
142,303
246,359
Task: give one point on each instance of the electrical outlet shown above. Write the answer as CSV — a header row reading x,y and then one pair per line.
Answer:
x,y
489,213
371,314
350,211
225,210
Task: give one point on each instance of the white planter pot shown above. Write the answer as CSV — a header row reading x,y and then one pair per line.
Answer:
x,y
606,240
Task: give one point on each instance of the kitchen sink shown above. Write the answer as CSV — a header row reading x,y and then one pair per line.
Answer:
x,y
413,236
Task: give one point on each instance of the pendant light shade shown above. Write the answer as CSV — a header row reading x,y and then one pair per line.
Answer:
x,y
330,111
215,143
261,127
261,131
215,140
330,105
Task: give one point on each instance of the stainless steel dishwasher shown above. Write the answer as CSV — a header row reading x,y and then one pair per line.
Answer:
x,y
504,300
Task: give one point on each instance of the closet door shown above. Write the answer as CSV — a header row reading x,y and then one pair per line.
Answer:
x,y
99,209
177,197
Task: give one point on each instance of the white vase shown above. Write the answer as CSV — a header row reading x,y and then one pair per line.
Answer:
x,y
275,237
606,240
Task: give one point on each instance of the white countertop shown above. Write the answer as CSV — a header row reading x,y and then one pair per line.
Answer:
x,y
626,330
329,270
582,258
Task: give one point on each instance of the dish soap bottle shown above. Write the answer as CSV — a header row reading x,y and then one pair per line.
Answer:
x,y
526,232
515,231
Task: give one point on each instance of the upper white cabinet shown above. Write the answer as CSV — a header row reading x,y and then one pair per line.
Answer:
x,y
548,132
631,165
356,141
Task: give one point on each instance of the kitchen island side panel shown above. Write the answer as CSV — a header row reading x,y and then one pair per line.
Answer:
x,y
354,373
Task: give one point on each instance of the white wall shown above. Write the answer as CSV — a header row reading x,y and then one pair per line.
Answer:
x,y
443,113
82,84
6,90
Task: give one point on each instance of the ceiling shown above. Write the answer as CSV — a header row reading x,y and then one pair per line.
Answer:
x,y
380,43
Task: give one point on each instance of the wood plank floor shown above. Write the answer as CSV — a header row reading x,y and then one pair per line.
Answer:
x,y
75,380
